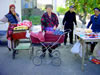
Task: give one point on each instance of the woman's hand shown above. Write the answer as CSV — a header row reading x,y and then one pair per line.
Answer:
x,y
54,28
14,13
43,32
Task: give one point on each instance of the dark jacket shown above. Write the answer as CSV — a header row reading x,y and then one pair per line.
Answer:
x,y
46,21
69,20
11,18
95,22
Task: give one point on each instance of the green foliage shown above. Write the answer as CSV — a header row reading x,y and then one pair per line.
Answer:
x,y
36,20
62,10
84,7
43,8
80,5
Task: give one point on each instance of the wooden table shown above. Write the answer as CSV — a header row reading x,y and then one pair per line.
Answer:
x,y
83,40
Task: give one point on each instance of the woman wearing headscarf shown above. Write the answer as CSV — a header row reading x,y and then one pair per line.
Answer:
x,y
95,24
12,18
49,20
95,21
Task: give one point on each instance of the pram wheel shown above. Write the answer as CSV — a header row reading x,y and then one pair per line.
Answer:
x,y
56,53
39,53
56,61
37,61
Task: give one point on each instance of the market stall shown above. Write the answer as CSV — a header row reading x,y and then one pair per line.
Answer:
x,y
19,36
86,36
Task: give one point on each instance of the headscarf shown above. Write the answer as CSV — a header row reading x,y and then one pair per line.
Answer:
x,y
48,6
97,9
12,5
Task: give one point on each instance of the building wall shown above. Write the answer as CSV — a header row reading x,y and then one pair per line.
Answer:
x,y
4,6
4,9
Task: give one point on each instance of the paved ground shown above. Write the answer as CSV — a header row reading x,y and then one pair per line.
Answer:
x,y
22,65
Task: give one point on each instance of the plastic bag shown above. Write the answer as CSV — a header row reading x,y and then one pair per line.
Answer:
x,y
27,34
76,48
96,51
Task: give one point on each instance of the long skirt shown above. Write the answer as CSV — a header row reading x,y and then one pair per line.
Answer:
x,y
9,35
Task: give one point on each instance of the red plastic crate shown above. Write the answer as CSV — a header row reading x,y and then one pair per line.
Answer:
x,y
19,35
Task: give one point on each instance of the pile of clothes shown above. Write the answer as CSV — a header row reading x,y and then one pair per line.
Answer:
x,y
55,32
25,25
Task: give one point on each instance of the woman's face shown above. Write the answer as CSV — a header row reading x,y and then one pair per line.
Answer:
x,y
49,9
96,12
12,9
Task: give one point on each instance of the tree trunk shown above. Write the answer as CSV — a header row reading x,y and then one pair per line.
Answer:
x,y
83,18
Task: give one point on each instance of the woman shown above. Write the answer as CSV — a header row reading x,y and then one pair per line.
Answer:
x,y
48,20
12,18
94,23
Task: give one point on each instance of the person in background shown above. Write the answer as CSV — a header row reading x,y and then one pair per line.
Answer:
x,y
12,18
95,21
95,24
48,20
68,22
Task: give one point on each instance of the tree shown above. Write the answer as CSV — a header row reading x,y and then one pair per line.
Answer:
x,y
83,7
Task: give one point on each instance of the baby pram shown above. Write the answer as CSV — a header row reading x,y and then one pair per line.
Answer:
x,y
52,41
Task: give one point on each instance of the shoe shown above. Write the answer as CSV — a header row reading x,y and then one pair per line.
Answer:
x,y
65,44
50,55
43,55
9,49
71,43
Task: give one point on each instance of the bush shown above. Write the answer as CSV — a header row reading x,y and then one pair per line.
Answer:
x,y
62,10
36,20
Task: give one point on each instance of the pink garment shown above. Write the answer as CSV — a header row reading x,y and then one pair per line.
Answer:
x,y
39,36
48,37
49,32
28,24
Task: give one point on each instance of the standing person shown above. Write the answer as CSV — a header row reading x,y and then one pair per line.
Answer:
x,y
95,22
68,22
12,18
49,20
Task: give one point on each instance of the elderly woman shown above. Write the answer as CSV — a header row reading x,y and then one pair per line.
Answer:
x,y
49,20
12,18
94,23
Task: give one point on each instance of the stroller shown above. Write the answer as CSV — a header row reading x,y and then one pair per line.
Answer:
x,y
52,41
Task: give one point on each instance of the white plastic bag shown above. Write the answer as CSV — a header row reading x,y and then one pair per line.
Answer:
x,y
96,51
27,34
76,48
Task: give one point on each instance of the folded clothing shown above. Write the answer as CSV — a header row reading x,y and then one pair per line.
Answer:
x,y
58,32
25,23
39,36
49,29
96,61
